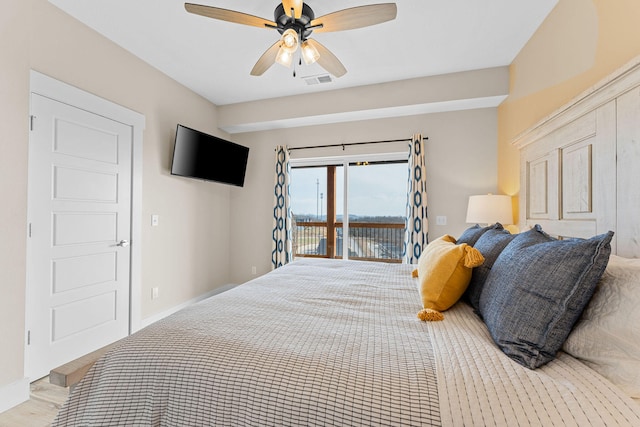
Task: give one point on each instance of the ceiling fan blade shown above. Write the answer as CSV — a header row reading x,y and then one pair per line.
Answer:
x,y
229,15
296,5
328,60
266,60
355,17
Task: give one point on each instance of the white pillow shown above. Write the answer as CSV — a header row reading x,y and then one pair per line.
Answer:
x,y
607,337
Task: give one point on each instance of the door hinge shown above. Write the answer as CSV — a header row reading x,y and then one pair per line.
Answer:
x,y
29,229
31,118
28,337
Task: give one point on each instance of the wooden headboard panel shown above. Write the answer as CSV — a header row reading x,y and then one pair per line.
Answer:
x,y
580,167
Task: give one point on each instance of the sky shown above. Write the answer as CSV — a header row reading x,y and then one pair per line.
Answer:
x,y
374,190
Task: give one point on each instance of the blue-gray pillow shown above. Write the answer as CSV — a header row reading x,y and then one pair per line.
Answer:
x,y
537,290
471,235
490,245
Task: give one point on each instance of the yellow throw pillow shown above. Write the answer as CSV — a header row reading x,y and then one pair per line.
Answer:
x,y
444,271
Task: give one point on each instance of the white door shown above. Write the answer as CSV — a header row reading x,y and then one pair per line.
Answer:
x,y
79,228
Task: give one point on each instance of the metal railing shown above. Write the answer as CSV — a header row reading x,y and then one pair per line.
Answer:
x,y
370,241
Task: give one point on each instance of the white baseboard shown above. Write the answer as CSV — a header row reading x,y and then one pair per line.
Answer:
x,y
14,394
152,319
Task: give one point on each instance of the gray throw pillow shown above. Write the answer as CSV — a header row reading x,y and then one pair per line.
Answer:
x,y
537,290
471,235
490,244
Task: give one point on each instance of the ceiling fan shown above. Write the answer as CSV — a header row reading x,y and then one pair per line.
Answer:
x,y
295,21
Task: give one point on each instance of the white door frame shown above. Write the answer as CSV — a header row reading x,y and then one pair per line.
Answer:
x,y
67,94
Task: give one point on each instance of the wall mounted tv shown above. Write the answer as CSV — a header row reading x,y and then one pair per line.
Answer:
x,y
207,157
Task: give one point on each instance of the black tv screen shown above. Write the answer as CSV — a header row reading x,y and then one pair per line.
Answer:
x,y
203,156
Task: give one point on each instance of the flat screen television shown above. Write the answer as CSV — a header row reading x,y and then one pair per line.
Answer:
x,y
207,157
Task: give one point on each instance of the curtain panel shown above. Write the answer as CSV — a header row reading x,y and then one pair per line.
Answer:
x,y
282,251
417,226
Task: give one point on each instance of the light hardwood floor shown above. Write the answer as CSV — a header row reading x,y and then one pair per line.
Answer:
x,y
40,409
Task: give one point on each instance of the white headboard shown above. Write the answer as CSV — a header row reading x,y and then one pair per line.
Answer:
x,y
580,167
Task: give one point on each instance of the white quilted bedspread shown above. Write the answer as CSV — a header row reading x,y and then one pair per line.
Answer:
x,y
478,385
329,342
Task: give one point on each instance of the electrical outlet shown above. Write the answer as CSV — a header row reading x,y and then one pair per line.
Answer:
x,y
441,220
253,270
155,293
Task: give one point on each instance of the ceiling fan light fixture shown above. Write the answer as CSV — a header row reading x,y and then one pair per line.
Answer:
x,y
284,57
295,21
289,40
309,53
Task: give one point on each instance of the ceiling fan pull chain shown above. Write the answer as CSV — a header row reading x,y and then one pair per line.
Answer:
x,y
299,64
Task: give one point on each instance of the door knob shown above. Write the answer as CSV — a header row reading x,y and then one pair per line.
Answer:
x,y
123,243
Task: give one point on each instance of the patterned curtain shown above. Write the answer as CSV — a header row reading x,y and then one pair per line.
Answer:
x,y
282,251
417,227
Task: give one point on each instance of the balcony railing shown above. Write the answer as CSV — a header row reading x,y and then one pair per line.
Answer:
x,y
371,241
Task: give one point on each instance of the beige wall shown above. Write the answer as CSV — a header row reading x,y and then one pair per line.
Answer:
x,y
460,155
14,110
579,44
186,255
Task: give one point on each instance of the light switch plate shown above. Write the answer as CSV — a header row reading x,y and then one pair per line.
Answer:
x,y
154,220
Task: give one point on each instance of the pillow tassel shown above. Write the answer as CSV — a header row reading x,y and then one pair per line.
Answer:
x,y
429,315
414,273
473,257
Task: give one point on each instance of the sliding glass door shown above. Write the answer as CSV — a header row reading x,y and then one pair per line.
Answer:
x,y
377,201
362,199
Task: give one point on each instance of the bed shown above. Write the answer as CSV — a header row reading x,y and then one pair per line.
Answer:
x,y
331,342
337,342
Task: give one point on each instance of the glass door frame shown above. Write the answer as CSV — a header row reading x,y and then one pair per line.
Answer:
x,y
345,161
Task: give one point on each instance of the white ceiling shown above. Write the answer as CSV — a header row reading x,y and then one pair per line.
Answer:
x,y
214,58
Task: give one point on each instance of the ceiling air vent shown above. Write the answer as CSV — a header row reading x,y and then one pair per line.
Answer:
x,y
314,80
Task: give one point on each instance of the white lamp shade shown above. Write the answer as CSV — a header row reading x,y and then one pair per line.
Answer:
x,y
489,209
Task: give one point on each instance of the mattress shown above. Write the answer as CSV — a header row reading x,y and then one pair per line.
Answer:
x,y
331,342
